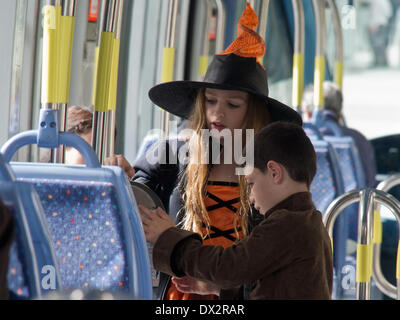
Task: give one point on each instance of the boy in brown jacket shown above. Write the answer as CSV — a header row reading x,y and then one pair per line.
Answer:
x,y
287,256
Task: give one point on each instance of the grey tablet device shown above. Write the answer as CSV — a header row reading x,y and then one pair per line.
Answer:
x,y
148,198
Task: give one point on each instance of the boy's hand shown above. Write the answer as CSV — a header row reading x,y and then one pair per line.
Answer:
x,y
191,285
155,222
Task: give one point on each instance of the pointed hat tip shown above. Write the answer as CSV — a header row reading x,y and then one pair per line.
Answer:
x,y
249,17
249,43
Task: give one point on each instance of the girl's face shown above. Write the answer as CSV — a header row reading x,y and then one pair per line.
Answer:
x,y
225,109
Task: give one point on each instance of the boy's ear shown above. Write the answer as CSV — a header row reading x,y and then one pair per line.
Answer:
x,y
275,169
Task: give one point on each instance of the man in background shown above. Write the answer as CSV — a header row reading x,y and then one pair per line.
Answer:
x,y
333,111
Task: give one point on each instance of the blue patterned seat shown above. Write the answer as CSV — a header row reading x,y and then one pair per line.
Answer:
x,y
31,251
326,186
91,214
327,183
87,233
349,161
18,275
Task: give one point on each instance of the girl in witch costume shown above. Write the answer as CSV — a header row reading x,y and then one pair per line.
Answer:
x,y
211,199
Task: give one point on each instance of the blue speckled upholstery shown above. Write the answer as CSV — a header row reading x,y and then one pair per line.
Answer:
x,y
323,188
346,168
87,233
17,273
353,178
31,250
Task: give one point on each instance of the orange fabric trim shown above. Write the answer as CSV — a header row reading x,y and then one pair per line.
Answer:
x,y
248,44
223,219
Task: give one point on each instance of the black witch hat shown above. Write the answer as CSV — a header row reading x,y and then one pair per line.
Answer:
x,y
236,68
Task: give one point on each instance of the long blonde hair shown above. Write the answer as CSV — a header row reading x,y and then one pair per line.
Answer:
x,y
195,177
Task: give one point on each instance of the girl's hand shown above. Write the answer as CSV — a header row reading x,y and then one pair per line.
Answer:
x,y
155,222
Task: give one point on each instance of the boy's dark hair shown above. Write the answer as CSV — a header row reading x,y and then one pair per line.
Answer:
x,y
287,144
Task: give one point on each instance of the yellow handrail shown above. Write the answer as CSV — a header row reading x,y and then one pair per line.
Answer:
x,y
103,80
58,33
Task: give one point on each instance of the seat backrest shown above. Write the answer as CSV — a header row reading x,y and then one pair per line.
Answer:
x,y
91,215
349,161
312,131
327,183
33,270
326,186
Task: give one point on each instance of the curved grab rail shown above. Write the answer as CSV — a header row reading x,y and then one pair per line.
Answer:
x,y
381,282
6,174
65,138
366,228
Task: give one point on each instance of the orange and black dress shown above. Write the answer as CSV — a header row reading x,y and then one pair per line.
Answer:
x,y
222,200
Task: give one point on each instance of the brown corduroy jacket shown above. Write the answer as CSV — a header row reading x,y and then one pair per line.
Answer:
x,y
287,256
6,239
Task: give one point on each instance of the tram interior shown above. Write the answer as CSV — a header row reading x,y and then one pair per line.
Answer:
x,y
370,105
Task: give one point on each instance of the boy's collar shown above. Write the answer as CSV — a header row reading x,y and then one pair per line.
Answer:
x,y
296,202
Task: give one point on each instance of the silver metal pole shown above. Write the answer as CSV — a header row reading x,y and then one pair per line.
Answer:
x,y
57,155
264,9
98,134
17,67
339,43
68,8
367,198
381,282
298,59
117,27
98,117
101,119
53,2
102,19
336,207
109,27
110,20
221,16
171,23
169,43
299,25
54,153
319,12
206,30
116,10
394,205
365,215
119,13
